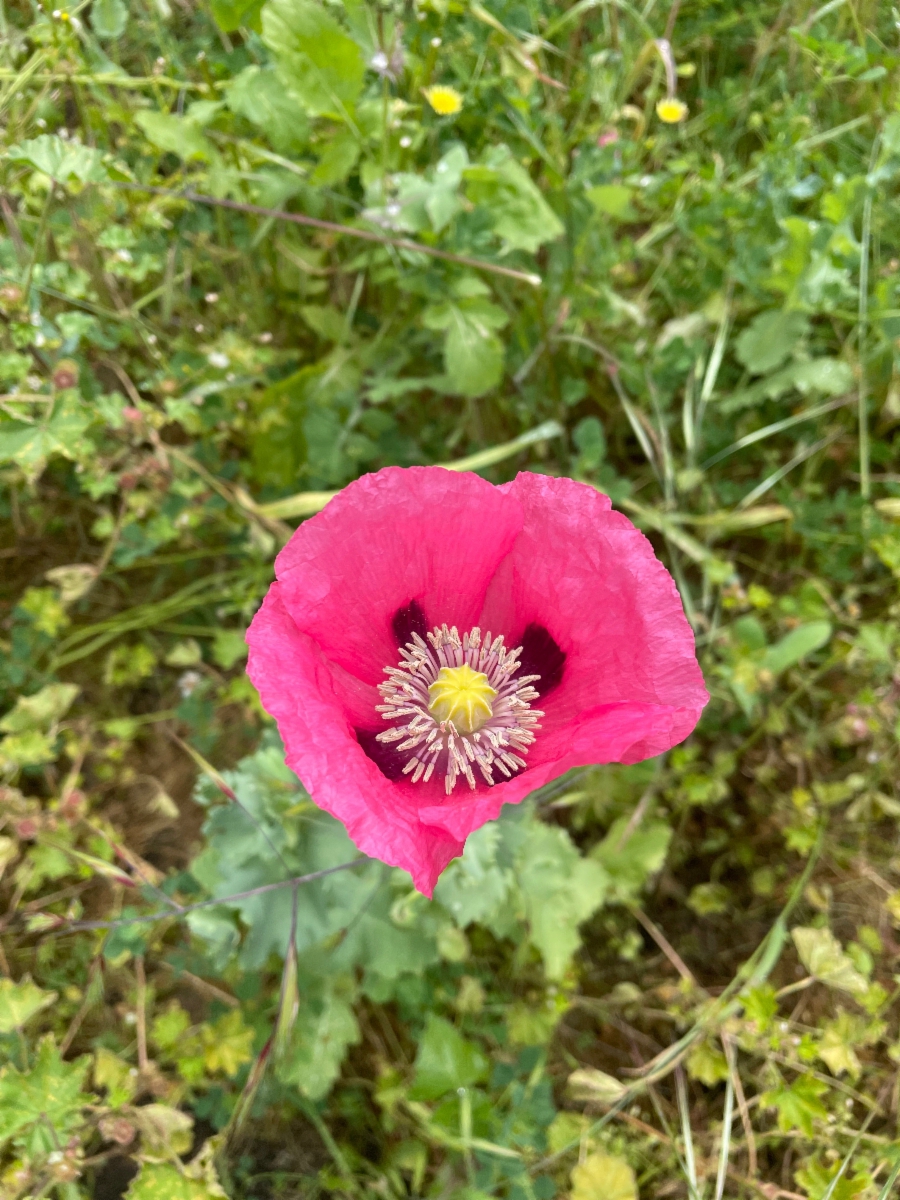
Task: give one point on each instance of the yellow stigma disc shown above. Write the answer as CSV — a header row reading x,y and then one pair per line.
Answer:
x,y
462,696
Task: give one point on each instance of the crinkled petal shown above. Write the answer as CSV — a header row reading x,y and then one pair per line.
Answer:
x,y
421,533
592,580
620,733
316,707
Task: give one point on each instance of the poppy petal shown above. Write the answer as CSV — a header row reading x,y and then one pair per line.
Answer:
x,y
314,706
420,535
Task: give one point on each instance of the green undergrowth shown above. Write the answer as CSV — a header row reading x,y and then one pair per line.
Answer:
x,y
243,260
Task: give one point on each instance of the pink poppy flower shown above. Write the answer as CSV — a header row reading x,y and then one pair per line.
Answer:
x,y
435,647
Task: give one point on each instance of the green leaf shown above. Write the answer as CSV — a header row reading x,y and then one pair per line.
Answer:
x,y
40,711
890,135
707,1063
336,161
61,160
769,339
323,1029
230,15
19,1002
176,135
445,1061
26,750
229,647
328,323
164,1130
13,366
560,889
157,1181
475,886
798,1105
518,211
613,200
822,955
796,645
603,1177
109,18
818,1180
839,1039
830,376
31,445
473,354
431,199
41,1107
316,58
629,866
261,97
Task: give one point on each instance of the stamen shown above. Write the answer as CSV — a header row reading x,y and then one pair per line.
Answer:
x,y
456,703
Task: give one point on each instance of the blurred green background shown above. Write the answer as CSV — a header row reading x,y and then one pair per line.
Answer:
x,y
248,253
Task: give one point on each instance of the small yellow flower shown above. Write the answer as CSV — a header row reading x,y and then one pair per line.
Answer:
x,y
671,110
444,100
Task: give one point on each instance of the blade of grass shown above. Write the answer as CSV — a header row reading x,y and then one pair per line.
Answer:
x,y
865,451
777,476
889,1183
760,435
725,1148
687,1135
584,6
832,1187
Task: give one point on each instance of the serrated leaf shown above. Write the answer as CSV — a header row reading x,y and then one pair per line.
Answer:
x,y
473,354
630,866
560,889
19,1002
61,160
323,1030
445,1061
26,750
840,1037
519,213
316,58
41,1107
475,886
819,1181
604,1177
114,1074
31,445
227,1044
158,1181
799,1105
822,955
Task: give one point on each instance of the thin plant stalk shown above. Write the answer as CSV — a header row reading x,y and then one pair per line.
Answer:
x,y
725,1148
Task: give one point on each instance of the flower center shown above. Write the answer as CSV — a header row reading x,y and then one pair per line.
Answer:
x,y
462,696
455,704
